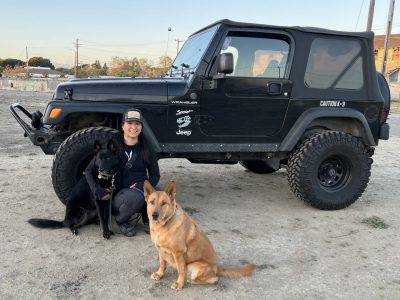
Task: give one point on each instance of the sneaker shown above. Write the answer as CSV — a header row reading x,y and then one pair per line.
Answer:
x,y
134,219
127,229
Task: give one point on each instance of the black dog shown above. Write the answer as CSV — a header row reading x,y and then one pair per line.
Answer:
x,y
82,206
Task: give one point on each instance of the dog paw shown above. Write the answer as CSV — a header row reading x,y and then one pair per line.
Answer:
x,y
74,231
177,286
106,234
155,276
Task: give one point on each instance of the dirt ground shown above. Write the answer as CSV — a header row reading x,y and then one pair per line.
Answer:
x,y
301,252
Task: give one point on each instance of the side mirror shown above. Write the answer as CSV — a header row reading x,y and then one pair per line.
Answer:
x,y
225,63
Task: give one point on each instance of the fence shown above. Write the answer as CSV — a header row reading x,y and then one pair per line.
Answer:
x,y
32,85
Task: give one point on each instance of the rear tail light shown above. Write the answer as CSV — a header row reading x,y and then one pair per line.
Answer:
x,y
384,115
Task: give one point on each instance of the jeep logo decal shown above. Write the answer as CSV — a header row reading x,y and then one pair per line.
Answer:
x,y
184,121
332,103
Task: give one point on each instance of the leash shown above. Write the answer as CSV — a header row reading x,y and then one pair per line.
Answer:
x,y
111,199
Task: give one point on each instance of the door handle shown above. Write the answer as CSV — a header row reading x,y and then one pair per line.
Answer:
x,y
274,88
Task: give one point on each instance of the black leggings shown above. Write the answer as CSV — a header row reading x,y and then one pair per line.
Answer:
x,y
128,202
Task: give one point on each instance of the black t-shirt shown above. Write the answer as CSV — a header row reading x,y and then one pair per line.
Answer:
x,y
137,167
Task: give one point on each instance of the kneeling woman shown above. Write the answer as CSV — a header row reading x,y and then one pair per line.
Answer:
x,y
139,163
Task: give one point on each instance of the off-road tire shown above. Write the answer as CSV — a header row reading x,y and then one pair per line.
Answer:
x,y
258,166
72,157
329,170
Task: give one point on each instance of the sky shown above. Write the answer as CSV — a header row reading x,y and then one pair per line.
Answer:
x,y
136,28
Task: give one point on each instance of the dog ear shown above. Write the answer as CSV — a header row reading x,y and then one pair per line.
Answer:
x,y
97,146
147,189
170,189
111,146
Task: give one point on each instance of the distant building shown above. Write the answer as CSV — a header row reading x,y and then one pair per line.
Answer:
x,y
393,56
43,72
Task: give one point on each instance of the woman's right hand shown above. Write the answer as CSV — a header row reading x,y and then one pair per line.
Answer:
x,y
106,197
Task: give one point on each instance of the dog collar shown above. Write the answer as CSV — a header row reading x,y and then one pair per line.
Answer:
x,y
105,175
172,216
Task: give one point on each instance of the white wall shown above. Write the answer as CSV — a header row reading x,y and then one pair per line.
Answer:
x,y
33,85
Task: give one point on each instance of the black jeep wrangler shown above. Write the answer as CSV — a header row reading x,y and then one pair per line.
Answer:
x,y
306,98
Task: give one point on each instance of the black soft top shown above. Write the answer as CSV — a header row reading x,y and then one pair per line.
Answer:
x,y
364,34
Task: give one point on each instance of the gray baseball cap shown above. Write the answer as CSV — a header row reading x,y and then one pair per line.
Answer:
x,y
132,114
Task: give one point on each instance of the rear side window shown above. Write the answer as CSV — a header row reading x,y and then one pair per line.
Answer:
x,y
257,56
334,63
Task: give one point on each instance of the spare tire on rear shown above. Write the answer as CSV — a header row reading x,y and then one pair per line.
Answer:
x,y
73,156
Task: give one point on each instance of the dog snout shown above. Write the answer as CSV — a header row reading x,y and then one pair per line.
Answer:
x,y
155,215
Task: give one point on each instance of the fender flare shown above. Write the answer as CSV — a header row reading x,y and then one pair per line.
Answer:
x,y
305,119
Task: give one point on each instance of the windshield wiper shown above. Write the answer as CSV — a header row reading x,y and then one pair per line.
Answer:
x,y
183,65
170,70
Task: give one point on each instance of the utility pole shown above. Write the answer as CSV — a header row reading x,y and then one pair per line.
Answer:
x,y
76,58
27,62
387,37
370,14
177,45
166,49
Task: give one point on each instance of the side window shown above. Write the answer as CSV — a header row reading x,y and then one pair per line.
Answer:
x,y
257,56
334,63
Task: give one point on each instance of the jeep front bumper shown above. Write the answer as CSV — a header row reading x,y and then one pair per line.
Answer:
x,y
39,137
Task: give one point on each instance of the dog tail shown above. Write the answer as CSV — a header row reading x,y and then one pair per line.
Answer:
x,y
45,223
247,270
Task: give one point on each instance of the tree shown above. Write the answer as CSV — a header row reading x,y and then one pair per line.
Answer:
x,y
39,61
164,62
12,62
136,67
91,71
96,64
144,67
65,71
124,67
17,70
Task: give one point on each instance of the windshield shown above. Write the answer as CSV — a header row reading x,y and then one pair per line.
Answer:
x,y
192,52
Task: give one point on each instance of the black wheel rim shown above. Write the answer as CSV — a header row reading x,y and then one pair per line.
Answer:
x,y
334,173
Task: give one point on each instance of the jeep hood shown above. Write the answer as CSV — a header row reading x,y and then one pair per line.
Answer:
x,y
151,90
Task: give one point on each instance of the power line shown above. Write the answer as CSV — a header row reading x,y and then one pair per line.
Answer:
x,y
119,51
112,45
359,13
41,47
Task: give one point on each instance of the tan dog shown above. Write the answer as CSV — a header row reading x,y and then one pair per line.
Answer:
x,y
181,243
